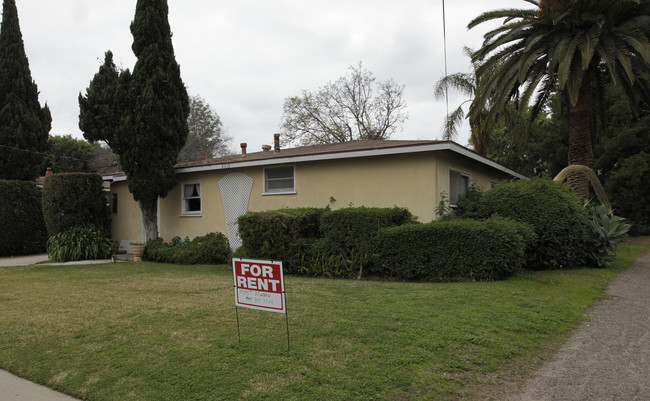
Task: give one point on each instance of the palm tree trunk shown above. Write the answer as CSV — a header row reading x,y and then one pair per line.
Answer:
x,y
580,151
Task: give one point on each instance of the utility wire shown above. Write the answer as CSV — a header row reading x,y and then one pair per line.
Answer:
x,y
40,153
55,156
444,38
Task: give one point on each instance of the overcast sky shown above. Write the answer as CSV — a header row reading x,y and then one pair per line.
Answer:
x,y
246,56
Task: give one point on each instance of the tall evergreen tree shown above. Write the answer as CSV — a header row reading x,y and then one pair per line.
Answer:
x,y
147,110
24,124
99,117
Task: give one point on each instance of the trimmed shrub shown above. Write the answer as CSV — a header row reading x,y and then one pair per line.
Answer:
x,y
554,211
74,200
212,248
452,250
284,234
79,243
346,247
22,228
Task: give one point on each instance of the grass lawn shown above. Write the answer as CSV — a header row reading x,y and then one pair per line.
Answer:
x,y
147,331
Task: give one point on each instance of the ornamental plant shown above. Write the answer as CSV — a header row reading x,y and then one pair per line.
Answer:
x,y
607,231
79,243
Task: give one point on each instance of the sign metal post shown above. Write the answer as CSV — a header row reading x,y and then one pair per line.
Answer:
x,y
259,284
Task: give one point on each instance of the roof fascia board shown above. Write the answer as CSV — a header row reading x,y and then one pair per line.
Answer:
x,y
317,157
454,147
472,155
451,146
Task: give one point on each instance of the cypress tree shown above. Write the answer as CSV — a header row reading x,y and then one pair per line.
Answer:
x,y
24,124
147,110
99,117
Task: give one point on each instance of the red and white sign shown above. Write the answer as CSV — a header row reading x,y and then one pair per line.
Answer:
x,y
259,284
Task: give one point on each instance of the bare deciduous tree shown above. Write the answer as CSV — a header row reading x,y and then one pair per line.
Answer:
x,y
351,108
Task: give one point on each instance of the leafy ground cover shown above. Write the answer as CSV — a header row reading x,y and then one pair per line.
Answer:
x,y
151,331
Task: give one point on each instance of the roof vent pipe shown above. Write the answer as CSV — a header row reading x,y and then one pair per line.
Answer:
x,y
243,147
276,142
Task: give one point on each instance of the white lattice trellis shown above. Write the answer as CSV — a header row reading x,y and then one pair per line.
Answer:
x,y
235,192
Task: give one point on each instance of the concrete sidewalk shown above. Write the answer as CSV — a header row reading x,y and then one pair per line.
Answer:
x,y
608,356
13,388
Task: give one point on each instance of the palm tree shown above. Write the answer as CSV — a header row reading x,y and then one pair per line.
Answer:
x,y
468,85
481,124
570,46
463,83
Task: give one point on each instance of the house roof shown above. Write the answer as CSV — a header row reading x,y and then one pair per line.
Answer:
x,y
344,150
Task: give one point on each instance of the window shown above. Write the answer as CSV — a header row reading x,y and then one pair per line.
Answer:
x,y
114,202
279,180
459,182
191,199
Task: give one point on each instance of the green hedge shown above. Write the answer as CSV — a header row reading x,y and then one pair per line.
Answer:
x,y
554,211
212,248
284,234
452,250
22,228
345,248
74,200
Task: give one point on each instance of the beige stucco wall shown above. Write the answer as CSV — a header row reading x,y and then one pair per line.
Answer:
x,y
414,181
126,224
406,181
482,175
212,218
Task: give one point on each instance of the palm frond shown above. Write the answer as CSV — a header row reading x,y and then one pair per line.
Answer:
x,y
506,13
566,62
461,82
452,121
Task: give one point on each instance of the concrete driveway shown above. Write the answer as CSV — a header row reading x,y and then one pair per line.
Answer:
x,y
23,260
34,259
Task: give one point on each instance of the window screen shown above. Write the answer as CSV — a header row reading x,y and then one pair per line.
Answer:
x,y
279,179
458,184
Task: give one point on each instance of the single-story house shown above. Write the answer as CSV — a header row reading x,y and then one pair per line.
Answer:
x,y
212,194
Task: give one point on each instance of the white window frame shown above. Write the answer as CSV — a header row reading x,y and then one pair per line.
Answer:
x,y
453,202
287,191
184,199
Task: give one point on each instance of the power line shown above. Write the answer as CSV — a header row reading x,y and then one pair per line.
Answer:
x,y
40,153
444,38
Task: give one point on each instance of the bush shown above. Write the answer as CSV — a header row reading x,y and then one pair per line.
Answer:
x,y
284,234
629,191
346,246
22,228
452,250
74,200
212,248
554,211
79,243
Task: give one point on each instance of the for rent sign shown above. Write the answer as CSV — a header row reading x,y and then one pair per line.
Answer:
x,y
259,284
